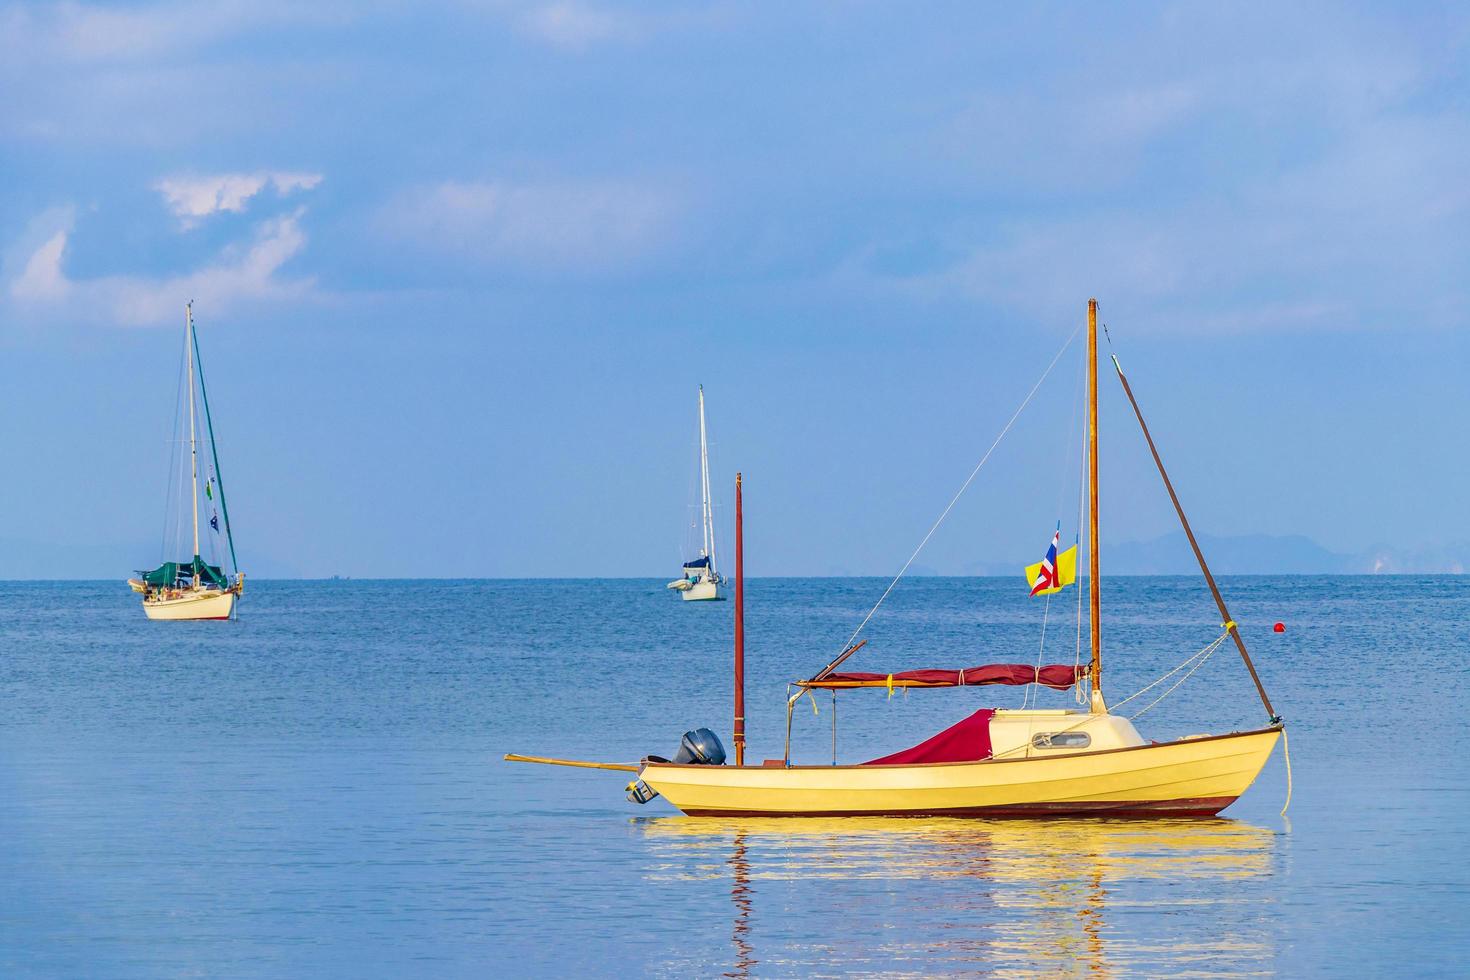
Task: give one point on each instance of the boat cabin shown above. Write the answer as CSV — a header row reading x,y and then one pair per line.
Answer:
x,y
1035,733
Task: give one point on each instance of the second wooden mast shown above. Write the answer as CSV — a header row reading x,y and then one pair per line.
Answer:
x,y
739,625
1094,583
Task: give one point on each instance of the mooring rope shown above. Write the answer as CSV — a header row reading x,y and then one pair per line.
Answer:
x,y
963,487
1286,749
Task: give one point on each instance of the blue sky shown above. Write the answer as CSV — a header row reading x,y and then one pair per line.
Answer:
x,y
458,269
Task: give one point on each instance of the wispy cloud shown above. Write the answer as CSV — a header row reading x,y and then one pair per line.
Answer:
x,y
596,223
40,278
241,273
577,25
581,25
1270,187
99,33
191,198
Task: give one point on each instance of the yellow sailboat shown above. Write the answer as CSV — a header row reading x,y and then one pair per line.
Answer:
x,y
1039,762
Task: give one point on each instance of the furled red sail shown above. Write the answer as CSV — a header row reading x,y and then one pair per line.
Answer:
x,y
967,741
1057,676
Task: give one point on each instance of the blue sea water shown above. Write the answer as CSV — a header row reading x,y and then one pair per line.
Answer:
x,y
317,789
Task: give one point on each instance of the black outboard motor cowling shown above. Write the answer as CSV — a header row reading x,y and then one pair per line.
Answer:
x,y
700,747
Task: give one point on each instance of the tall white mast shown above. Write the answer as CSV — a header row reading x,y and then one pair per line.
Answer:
x,y
193,446
709,522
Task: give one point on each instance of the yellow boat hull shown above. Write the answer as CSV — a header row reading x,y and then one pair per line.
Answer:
x,y
1191,777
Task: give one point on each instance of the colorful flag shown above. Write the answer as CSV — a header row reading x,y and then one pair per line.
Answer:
x,y
209,488
1054,572
214,522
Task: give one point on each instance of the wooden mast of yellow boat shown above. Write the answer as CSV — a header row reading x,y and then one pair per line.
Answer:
x,y
1094,598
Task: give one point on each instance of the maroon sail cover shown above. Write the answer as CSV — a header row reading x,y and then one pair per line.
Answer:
x,y
967,741
1058,676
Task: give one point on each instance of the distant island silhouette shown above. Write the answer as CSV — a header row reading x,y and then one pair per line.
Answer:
x,y
1261,554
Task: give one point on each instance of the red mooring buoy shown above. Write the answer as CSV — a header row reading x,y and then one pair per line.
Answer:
x,y
1279,628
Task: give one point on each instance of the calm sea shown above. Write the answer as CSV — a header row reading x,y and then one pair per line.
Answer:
x,y
317,789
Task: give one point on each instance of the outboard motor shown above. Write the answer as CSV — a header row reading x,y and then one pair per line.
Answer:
x,y
700,747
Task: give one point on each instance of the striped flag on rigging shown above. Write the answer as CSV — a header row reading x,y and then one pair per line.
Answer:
x,y
1054,572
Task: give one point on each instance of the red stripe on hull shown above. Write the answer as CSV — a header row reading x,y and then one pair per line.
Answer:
x,y
1207,806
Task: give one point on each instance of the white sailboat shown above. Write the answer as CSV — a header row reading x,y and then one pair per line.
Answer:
x,y
701,580
195,589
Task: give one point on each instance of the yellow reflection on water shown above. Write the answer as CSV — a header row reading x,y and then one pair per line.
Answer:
x,y
1011,897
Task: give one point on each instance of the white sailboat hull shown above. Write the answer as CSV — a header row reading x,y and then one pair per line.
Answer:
x,y
192,604
704,589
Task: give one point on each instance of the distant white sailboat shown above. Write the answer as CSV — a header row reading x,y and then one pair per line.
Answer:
x,y
701,580
195,589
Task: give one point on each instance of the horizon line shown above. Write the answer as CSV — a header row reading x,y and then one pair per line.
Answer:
x,y
657,578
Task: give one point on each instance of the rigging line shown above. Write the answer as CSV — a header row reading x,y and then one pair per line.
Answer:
x,y
173,453
1077,393
1202,661
1081,510
1205,653
686,544
1229,622
1170,672
1040,650
963,487
214,455
1071,430
1197,658
181,470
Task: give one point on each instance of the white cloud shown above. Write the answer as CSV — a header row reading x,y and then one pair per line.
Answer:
x,y
191,198
99,33
1034,140
585,222
576,25
1273,185
242,273
42,278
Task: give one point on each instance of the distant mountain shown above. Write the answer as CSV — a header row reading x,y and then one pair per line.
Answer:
x,y
1450,559
1248,554
1259,554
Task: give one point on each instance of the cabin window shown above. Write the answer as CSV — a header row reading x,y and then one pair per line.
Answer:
x,y
1061,740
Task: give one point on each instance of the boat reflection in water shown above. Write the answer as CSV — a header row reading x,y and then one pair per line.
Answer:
x,y
1014,897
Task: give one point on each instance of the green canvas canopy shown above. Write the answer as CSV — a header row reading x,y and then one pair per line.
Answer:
x,y
169,573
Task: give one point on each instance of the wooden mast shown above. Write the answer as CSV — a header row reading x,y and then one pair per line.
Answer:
x,y
1199,555
1094,598
739,627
